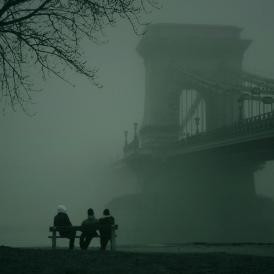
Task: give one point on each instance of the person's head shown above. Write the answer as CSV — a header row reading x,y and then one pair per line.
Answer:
x,y
106,212
61,209
90,212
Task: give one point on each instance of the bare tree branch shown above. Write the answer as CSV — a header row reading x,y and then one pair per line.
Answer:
x,y
48,33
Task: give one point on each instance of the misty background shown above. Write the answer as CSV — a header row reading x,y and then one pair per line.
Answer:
x,y
65,153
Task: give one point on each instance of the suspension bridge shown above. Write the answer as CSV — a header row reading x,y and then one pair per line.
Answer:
x,y
208,127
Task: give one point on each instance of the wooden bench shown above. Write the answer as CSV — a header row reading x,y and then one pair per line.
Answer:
x,y
54,237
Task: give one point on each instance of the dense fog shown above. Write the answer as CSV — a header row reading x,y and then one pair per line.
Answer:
x,y
65,153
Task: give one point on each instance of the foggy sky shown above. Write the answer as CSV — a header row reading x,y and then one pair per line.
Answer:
x,y
64,153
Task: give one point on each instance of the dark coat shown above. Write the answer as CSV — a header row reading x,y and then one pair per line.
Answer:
x,y
89,226
62,220
105,226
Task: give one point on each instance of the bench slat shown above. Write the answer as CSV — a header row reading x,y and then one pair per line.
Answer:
x,y
60,237
74,227
55,228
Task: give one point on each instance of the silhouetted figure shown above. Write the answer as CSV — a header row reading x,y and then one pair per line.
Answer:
x,y
89,227
105,228
62,221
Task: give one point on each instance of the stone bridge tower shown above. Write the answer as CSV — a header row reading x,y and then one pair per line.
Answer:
x,y
198,195
214,52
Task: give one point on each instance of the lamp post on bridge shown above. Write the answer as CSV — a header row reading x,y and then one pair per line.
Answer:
x,y
126,140
197,122
136,140
135,125
241,100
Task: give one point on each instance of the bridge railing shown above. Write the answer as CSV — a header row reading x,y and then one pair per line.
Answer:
x,y
244,127
131,147
248,126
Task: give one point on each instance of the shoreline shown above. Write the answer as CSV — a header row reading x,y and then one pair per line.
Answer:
x,y
47,261
243,248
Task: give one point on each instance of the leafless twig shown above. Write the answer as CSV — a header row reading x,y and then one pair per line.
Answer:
x,y
48,33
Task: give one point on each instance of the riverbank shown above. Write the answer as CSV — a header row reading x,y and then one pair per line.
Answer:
x,y
42,261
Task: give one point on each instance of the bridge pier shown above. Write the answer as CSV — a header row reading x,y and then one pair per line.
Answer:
x,y
211,198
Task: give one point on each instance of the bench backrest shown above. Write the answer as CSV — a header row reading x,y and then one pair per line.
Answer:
x,y
56,228
75,227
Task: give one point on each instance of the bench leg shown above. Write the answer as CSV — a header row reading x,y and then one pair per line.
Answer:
x,y
113,241
53,245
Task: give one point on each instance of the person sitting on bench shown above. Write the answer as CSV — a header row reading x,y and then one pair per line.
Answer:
x,y
62,221
89,227
105,224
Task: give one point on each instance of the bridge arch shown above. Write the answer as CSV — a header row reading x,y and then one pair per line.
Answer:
x,y
192,115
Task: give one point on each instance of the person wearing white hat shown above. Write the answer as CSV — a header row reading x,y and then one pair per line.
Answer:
x,y
62,221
